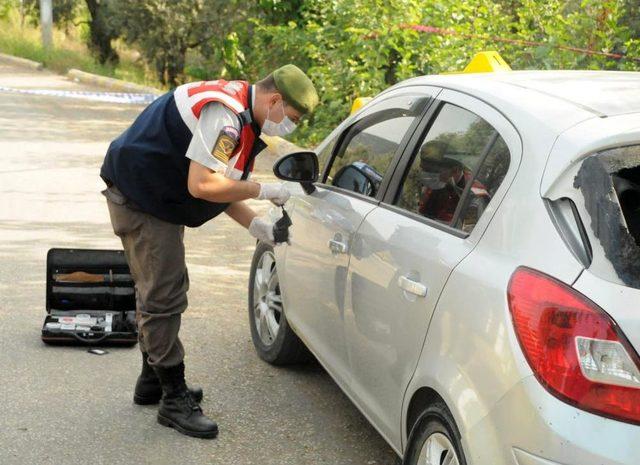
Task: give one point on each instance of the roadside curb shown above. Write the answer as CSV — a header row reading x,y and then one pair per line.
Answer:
x,y
111,83
21,61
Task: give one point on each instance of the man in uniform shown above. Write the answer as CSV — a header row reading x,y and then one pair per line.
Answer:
x,y
186,159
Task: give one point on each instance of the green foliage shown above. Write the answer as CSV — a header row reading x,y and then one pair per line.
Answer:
x,y
361,47
7,7
232,56
64,11
279,11
358,47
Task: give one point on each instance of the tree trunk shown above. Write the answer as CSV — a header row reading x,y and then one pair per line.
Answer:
x,y
175,65
100,34
160,63
390,75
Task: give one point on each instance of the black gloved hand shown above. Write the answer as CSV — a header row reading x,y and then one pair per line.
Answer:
x,y
281,228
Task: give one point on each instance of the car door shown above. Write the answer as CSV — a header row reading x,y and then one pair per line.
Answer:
x,y
313,275
438,202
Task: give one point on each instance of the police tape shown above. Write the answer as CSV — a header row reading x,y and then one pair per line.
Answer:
x,y
108,97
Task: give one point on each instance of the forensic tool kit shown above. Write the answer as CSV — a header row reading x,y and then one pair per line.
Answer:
x,y
90,298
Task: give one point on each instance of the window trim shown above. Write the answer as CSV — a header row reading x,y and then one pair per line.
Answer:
x,y
425,220
464,198
430,92
342,191
503,126
410,149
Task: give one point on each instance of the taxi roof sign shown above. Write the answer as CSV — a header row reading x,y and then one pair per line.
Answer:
x,y
359,103
487,62
482,62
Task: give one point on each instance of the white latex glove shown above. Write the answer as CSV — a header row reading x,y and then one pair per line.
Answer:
x,y
276,192
262,229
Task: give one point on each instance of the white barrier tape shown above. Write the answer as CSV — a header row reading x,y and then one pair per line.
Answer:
x,y
110,97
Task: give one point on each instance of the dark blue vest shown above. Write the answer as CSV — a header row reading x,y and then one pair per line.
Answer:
x,y
147,163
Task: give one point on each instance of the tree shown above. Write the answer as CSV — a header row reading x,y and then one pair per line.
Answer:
x,y
68,12
358,48
64,11
101,31
165,31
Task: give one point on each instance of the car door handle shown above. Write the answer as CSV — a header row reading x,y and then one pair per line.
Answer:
x,y
411,286
337,247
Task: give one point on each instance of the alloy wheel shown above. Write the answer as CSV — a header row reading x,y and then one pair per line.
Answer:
x,y
438,450
267,302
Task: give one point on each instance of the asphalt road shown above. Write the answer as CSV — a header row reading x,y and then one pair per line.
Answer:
x,y
65,406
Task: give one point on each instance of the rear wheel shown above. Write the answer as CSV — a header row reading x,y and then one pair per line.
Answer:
x,y
274,340
435,439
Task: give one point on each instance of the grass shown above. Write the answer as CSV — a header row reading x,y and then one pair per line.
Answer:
x,y
68,51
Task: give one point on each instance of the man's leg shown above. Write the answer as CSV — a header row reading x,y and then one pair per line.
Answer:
x,y
155,253
156,256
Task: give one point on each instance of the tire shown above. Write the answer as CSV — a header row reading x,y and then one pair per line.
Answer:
x,y
264,300
433,437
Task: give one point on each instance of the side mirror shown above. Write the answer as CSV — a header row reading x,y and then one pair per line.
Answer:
x,y
299,167
354,179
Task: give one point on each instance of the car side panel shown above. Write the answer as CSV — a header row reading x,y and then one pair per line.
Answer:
x,y
471,356
314,277
385,325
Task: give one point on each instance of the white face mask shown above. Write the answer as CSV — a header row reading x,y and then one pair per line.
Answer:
x,y
284,127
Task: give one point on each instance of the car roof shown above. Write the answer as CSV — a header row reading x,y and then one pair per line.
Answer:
x,y
603,93
558,98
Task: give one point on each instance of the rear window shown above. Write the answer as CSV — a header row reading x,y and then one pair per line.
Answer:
x,y
610,184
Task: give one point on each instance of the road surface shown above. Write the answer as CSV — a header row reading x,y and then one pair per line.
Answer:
x,y
65,406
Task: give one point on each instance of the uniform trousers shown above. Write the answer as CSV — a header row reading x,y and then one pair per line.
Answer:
x,y
154,250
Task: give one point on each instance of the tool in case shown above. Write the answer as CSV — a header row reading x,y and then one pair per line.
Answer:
x,y
90,298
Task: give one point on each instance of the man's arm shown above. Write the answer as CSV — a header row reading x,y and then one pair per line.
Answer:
x,y
204,183
241,213
260,228
215,137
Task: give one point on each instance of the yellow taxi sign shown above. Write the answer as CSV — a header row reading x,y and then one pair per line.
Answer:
x,y
487,62
359,103
482,62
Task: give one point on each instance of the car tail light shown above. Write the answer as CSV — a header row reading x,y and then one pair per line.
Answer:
x,y
575,349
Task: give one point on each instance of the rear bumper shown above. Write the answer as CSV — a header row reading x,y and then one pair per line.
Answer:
x,y
534,428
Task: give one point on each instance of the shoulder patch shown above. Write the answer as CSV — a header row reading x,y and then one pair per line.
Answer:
x,y
225,144
231,132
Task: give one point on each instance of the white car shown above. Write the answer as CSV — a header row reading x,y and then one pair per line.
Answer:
x,y
465,264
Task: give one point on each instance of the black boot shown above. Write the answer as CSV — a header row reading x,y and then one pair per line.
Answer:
x,y
178,409
148,390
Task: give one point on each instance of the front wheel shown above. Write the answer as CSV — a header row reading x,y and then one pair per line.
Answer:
x,y
435,440
274,341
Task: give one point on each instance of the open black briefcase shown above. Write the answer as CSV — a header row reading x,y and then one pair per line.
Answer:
x,y
90,298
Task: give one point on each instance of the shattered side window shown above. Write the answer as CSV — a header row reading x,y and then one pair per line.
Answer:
x,y
610,184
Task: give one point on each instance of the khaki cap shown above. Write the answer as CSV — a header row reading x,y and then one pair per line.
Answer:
x,y
296,88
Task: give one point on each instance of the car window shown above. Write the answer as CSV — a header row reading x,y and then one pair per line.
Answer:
x,y
368,147
486,183
325,154
456,170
